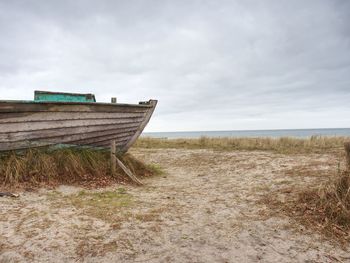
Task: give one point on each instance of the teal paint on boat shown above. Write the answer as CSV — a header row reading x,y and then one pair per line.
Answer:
x,y
41,96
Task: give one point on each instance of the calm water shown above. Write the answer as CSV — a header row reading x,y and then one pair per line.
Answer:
x,y
252,133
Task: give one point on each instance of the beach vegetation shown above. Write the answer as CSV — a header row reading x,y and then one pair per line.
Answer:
x,y
329,205
51,167
313,144
324,207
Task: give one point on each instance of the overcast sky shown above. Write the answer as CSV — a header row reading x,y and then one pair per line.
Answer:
x,y
213,65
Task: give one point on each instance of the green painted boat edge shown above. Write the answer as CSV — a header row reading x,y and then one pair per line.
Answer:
x,y
63,96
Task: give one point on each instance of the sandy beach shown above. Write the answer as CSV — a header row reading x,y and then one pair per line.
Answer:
x,y
206,207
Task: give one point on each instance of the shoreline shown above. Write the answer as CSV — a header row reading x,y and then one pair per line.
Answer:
x,y
286,145
270,133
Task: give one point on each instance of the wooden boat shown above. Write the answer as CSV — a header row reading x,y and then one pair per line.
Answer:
x,y
73,119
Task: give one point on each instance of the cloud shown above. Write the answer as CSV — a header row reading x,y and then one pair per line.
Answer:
x,y
212,65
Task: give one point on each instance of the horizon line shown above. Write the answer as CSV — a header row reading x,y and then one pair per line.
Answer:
x,y
288,129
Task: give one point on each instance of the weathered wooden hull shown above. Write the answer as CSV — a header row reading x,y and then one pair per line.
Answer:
x,y
27,124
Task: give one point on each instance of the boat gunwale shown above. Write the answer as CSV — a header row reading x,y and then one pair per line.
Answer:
x,y
148,105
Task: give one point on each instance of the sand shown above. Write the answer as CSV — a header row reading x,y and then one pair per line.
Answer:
x,y
204,209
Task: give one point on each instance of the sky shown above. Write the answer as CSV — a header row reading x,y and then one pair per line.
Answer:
x,y
212,65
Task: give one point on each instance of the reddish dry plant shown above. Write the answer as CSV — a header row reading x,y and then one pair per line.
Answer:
x,y
326,207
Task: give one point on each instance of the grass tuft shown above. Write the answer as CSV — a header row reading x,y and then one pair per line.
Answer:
x,y
327,207
330,204
104,205
156,169
87,167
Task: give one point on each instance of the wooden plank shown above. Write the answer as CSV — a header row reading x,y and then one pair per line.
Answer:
x,y
34,144
56,116
102,141
128,172
113,157
23,145
32,126
81,136
109,137
76,138
38,134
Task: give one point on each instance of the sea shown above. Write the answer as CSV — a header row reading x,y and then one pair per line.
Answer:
x,y
301,133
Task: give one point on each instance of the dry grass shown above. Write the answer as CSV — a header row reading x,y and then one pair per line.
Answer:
x,y
87,167
324,207
329,205
314,144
